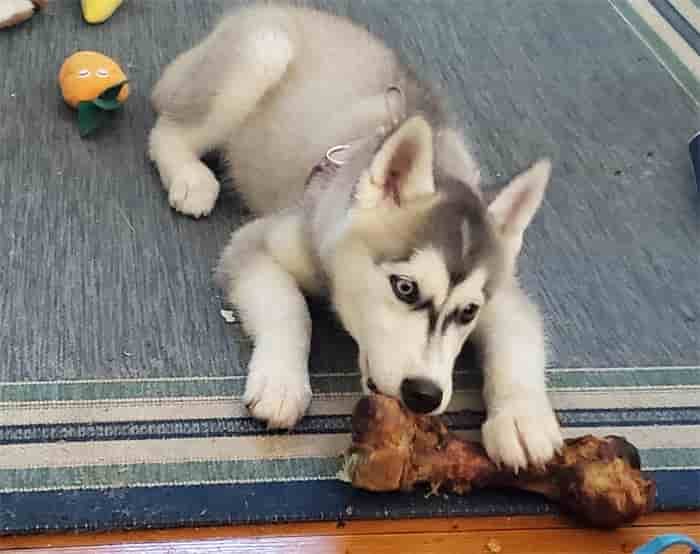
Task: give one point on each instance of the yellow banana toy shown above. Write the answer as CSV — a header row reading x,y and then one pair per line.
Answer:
x,y
99,11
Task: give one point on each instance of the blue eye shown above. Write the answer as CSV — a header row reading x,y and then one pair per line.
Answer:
x,y
404,288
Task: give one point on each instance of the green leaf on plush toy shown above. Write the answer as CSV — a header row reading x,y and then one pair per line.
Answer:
x,y
92,114
108,99
90,117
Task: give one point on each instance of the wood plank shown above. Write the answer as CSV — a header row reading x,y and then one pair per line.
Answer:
x,y
320,535
555,541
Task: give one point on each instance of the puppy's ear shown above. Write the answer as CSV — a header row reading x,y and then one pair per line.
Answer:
x,y
516,205
402,170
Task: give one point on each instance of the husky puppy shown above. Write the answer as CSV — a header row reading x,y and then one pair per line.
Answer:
x,y
365,192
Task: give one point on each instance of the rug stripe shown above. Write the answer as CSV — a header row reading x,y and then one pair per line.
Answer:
x,y
168,409
679,23
140,475
165,506
669,48
222,471
689,10
73,454
174,450
336,383
226,427
653,378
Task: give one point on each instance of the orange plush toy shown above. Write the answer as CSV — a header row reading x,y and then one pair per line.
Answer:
x,y
93,84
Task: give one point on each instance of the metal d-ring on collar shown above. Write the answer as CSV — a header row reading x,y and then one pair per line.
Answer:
x,y
395,119
335,150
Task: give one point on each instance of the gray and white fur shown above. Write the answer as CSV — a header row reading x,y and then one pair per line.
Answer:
x,y
392,226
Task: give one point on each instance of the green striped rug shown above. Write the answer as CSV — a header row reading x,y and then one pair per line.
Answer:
x,y
157,433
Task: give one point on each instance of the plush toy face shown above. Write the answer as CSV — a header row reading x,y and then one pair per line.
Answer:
x,y
86,75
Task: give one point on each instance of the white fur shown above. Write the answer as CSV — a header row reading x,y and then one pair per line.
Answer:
x,y
15,11
516,205
177,146
273,88
521,425
471,290
274,312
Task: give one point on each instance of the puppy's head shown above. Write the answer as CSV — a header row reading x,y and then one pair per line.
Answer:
x,y
416,260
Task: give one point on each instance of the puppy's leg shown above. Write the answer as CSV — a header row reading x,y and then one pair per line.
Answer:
x,y
274,312
192,187
202,99
521,426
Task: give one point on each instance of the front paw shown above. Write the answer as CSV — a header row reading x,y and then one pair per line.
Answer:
x,y
193,190
276,392
521,431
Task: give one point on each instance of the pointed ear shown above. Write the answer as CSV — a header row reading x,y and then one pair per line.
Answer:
x,y
516,205
402,169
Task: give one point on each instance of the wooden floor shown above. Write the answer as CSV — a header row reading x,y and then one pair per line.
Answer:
x,y
531,535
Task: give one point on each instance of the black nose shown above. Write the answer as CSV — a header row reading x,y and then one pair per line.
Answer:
x,y
420,395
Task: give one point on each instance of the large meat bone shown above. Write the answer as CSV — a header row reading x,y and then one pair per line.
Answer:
x,y
596,479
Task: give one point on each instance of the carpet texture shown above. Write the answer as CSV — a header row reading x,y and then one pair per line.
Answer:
x,y
120,381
